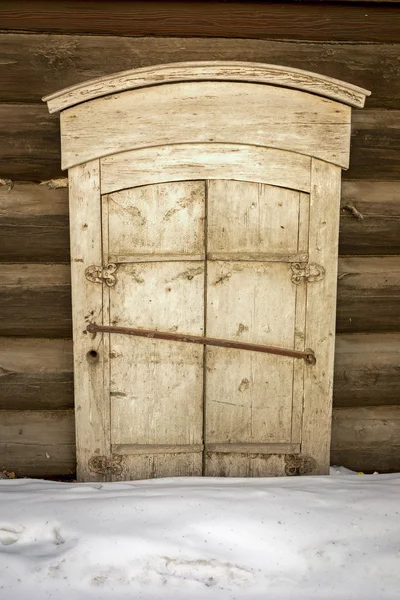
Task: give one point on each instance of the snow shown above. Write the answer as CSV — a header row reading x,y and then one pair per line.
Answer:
x,y
325,538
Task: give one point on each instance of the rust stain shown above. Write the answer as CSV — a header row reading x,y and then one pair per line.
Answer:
x,y
188,274
222,278
244,385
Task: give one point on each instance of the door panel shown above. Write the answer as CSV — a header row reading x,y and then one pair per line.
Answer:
x,y
252,219
169,400
157,222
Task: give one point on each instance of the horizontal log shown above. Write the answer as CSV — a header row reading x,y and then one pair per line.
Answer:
x,y
367,370
36,374
36,65
370,218
37,443
226,19
41,443
30,148
368,294
36,300
34,221
366,439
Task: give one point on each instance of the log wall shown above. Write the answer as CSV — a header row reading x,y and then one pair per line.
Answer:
x,y
46,45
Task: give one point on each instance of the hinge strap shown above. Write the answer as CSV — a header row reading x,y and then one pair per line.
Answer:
x,y
307,355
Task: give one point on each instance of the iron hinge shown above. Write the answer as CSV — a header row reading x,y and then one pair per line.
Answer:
x,y
98,274
310,272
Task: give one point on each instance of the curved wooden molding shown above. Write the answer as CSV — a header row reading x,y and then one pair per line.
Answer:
x,y
208,71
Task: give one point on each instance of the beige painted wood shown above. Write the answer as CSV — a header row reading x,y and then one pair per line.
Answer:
x,y
211,161
208,71
206,112
251,218
91,400
157,222
320,314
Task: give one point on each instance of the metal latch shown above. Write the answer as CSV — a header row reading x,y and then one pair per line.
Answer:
x,y
310,272
102,274
308,355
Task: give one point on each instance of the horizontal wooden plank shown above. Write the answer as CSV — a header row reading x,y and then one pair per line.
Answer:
x,y
37,443
366,439
35,300
375,145
36,374
34,221
370,218
368,294
226,19
41,443
36,65
367,370
30,148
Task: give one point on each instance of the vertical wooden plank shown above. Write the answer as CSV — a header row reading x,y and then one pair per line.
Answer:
x,y
320,314
91,406
300,323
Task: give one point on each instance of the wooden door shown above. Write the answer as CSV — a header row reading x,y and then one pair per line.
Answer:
x,y
217,258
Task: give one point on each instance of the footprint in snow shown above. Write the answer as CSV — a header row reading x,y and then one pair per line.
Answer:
x,y
9,534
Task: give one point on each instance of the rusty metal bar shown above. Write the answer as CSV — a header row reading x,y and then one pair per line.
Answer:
x,y
307,355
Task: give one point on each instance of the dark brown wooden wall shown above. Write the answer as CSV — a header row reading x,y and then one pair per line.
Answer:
x,y
47,45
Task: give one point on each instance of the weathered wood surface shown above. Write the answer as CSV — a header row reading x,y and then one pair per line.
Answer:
x,y
38,65
34,224
34,218
367,370
181,18
368,294
367,439
370,217
182,162
217,70
206,112
90,373
37,443
36,298
30,147
36,374
41,443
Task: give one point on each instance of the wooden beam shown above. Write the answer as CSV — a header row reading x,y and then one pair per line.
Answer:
x,y
306,20
38,65
37,443
36,374
30,148
367,439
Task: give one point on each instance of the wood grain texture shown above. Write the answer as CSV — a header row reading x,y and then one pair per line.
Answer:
x,y
233,71
38,65
205,161
39,215
35,300
206,112
320,315
370,217
34,224
35,374
37,443
92,407
368,294
30,147
225,19
367,439
367,370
